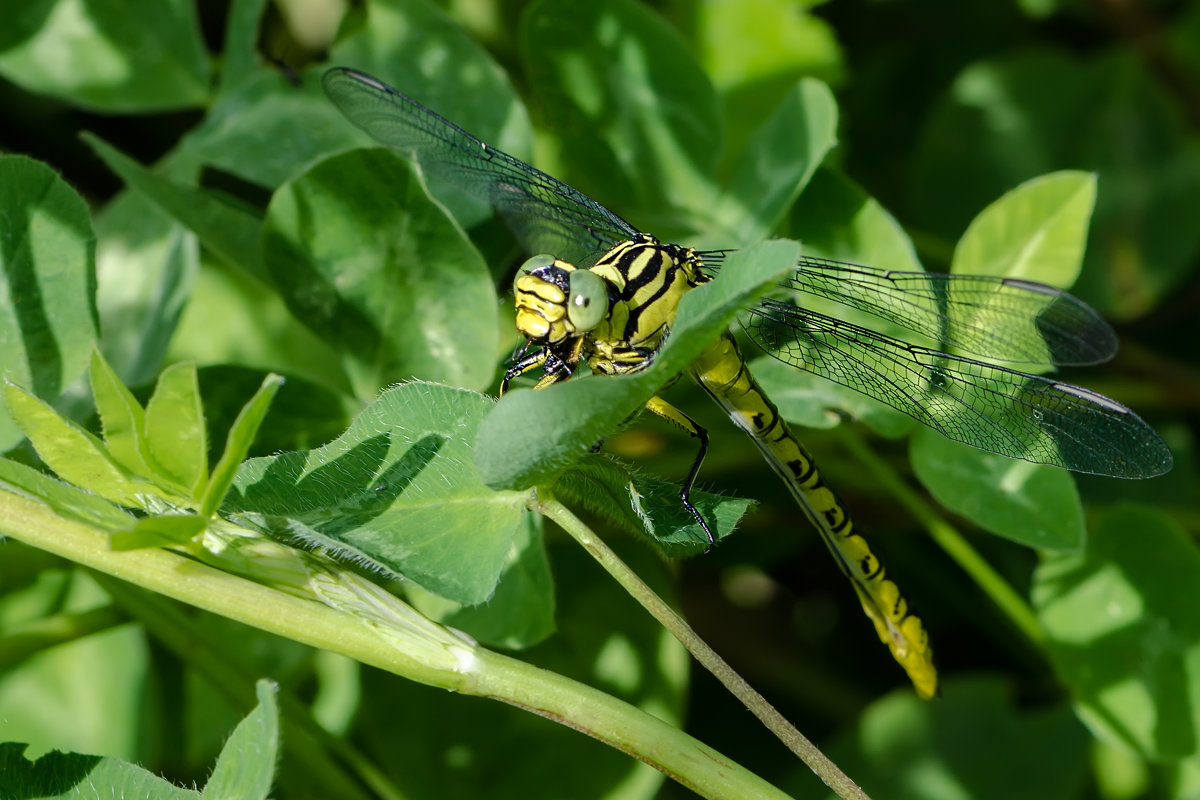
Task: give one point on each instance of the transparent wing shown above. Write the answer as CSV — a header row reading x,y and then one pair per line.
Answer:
x,y
1002,319
547,215
993,408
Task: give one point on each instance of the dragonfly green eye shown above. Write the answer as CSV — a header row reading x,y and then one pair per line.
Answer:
x,y
531,265
588,301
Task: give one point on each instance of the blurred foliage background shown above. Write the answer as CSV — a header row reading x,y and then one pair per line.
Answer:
x,y
943,107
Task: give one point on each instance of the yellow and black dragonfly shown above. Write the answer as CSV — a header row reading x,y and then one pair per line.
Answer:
x,y
603,293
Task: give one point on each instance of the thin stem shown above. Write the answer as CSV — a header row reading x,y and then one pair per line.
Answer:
x,y
948,537
795,741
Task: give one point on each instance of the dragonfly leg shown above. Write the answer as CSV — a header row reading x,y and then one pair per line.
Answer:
x,y
525,364
676,417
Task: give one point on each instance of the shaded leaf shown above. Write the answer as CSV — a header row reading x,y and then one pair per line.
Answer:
x,y
397,492
1123,632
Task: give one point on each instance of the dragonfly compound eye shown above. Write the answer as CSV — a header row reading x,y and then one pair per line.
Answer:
x,y
587,303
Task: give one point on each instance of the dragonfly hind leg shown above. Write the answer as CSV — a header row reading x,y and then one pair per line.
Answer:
x,y
681,420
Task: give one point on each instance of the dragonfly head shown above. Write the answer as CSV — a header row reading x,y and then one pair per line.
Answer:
x,y
557,300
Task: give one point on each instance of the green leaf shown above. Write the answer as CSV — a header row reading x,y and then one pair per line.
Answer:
x,y
520,613
570,418
240,59
1037,231
477,95
176,441
237,444
246,766
1123,631
397,491
755,50
71,775
145,266
977,743
74,454
122,418
1004,122
648,507
639,118
1031,504
159,531
267,131
108,55
48,320
836,219
231,234
371,265
776,164
66,500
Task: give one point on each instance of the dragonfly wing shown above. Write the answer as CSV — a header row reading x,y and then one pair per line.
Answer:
x,y
993,408
1002,319
547,215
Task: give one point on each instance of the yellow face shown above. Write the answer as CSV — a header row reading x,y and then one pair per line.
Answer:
x,y
556,300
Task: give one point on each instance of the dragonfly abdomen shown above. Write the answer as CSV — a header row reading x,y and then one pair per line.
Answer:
x,y
722,373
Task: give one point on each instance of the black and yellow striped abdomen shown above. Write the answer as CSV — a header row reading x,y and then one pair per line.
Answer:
x,y
722,372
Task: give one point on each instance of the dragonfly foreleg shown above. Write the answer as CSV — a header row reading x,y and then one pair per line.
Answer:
x,y
681,420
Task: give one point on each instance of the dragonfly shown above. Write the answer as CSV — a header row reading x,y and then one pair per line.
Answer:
x,y
601,292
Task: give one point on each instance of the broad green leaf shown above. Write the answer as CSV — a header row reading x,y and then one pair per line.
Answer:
x,y
521,612
979,742
836,219
403,43
108,55
230,233
776,164
75,455
484,749
1123,631
638,117
145,266
396,491
66,500
236,322
267,131
237,444
1037,231
648,507
48,320
1031,504
755,50
122,417
175,438
88,695
371,265
72,775
572,417
246,766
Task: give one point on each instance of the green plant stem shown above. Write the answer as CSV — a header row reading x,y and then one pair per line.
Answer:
x,y
795,741
947,537
388,634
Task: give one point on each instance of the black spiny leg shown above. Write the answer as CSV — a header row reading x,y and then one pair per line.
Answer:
x,y
676,417
524,364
